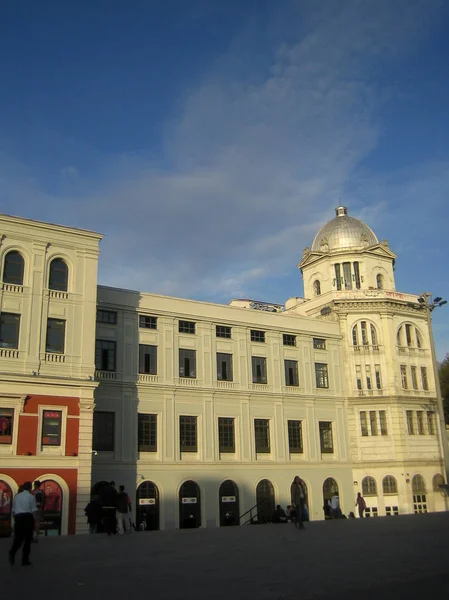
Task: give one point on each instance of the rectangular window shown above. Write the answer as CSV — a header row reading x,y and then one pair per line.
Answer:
x,y
55,341
259,365
51,427
147,359
103,431
373,422
404,377
223,332
224,367
321,375
420,419
291,372
358,376
378,379
357,275
147,433
364,333
424,381
288,340
262,435
187,363
295,437
188,434
257,336
107,316
414,378
326,439
226,435
6,425
147,322
347,275
383,422
430,423
368,377
105,355
9,330
338,276
186,327
363,423
319,344
410,424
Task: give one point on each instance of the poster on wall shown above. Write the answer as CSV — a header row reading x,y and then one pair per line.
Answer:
x,y
5,509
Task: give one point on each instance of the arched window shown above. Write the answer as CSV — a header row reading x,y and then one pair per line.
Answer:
x,y
355,336
317,287
418,339
437,481
59,275
330,487
389,485
265,500
369,486
13,268
379,282
418,485
408,335
373,335
364,335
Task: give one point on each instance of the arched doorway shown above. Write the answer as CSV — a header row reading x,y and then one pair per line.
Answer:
x,y
330,488
147,509
419,494
189,506
5,509
306,498
51,524
228,497
265,501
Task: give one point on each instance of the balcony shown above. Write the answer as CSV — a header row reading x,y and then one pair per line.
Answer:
x,y
187,382
9,353
11,287
145,378
362,393
54,358
259,387
225,385
367,348
411,351
58,295
107,375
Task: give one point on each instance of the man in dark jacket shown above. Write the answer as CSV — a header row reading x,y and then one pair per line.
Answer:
x,y
94,514
109,503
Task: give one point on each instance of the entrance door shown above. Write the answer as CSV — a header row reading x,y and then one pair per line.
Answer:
x,y
265,501
419,494
5,509
229,503
52,522
189,506
330,487
147,509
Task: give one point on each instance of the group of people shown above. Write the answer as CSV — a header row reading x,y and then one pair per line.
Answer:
x,y
110,510
28,511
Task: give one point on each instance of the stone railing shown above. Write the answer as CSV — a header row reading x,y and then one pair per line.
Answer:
x,y
225,385
107,375
12,287
58,295
9,353
54,358
187,381
146,378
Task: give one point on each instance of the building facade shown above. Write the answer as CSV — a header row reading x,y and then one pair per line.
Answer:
x,y
204,411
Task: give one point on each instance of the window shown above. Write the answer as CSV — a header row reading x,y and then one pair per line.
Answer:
x,y
226,435
109,317
383,422
389,485
338,276
357,275
379,282
410,424
187,363
368,377
105,355
259,365
418,339
408,335
358,376
373,422
363,423
420,419
262,435
430,423
317,288
51,427
103,431
55,336
257,336
319,344
147,322
373,334
291,372
188,434
404,377
223,332
364,333
369,486
6,425
347,275
321,376
148,359
147,433
288,340
425,383
186,327
9,330
326,438
295,437
378,379
224,367
355,337
436,482
59,275
13,268
414,378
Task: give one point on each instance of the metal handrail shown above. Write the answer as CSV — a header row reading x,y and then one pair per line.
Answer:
x,y
250,512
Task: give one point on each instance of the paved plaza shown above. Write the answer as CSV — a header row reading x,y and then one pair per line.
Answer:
x,y
386,558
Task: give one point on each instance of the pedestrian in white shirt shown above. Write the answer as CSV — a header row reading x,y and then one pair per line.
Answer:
x,y
24,510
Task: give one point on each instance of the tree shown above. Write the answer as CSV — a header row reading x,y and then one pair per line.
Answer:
x,y
443,373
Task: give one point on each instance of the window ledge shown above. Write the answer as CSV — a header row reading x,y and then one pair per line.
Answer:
x,y
187,381
225,385
260,387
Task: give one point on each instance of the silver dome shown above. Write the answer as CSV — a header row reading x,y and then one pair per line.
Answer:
x,y
343,233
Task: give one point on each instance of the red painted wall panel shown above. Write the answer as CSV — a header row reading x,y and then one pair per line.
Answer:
x,y
72,437
33,402
27,434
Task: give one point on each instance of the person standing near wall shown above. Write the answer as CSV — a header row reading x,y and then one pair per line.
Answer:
x,y
298,501
123,509
24,510
361,504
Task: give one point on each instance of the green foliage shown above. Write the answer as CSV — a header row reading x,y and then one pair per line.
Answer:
x,y
443,372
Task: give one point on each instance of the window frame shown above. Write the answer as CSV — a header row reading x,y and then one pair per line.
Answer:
x,y
58,287
184,426
364,424
263,364
262,430
220,362
223,331
257,336
410,422
319,343
15,346
152,369
323,431
112,435
146,322
152,423
109,316
369,486
226,432
114,350
51,410
50,349
294,430
387,488
182,365
19,280
8,413
188,327
291,364
322,375
287,338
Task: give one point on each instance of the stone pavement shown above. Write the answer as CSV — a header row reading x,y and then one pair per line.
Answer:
x,y
388,558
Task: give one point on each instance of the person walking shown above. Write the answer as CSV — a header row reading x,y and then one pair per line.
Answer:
x,y
39,496
361,504
24,510
123,509
298,501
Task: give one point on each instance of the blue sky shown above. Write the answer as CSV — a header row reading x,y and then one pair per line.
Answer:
x,y
209,140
